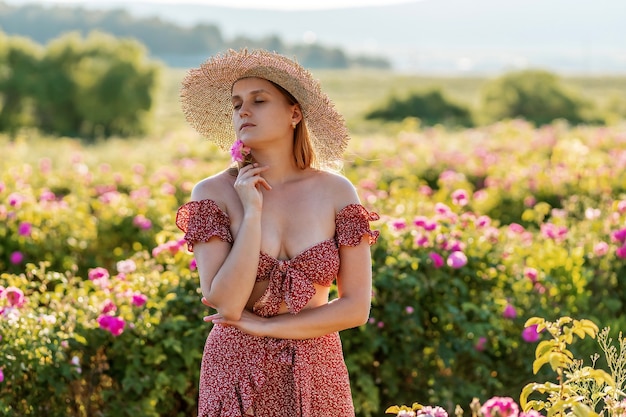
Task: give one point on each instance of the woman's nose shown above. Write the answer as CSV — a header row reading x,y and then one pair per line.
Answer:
x,y
244,110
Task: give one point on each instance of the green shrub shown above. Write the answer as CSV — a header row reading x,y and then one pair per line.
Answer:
x,y
430,107
533,225
535,95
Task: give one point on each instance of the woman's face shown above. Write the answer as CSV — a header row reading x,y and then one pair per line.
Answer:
x,y
261,112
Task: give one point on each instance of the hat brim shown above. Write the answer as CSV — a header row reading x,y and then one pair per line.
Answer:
x,y
206,99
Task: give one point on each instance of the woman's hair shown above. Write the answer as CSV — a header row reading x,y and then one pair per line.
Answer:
x,y
303,151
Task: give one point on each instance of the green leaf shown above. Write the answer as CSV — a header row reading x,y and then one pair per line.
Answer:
x,y
544,347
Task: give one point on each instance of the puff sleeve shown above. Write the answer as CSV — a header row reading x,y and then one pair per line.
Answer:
x,y
201,220
352,223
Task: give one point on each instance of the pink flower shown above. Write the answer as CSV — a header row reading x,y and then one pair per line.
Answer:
x,y
500,407
168,189
509,312
193,265
421,240
409,309
139,299
453,245
429,411
109,307
239,151
436,259
460,197
98,273
142,222
398,224
16,257
483,221
621,207
442,209
481,344
516,228
529,334
115,325
621,252
601,248
531,274
425,190
531,413
99,276
24,229
619,235
16,200
554,232
380,324
1,375
173,246
457,260
14,296
47,195
126,266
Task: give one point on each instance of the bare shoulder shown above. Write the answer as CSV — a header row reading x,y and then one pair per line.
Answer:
x,y
218,188
339,188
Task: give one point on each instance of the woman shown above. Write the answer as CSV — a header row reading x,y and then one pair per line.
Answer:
x,y
269,239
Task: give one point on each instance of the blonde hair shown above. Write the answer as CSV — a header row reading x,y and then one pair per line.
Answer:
x,y
303,151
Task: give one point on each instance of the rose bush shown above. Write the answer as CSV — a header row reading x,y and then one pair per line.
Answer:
x,y
480,230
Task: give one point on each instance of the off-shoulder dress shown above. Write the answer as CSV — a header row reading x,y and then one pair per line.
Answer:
x,y
277,377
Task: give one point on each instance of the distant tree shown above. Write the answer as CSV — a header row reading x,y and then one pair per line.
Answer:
x,y
98,86
175,45
19,61
430,106
535,95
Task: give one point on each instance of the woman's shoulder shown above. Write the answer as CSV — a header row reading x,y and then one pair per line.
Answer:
x,y
339,188
215,187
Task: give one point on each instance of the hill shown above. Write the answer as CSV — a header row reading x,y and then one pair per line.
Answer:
x,y
430,36
176,45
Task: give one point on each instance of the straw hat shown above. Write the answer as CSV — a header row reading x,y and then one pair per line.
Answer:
x,y
206,99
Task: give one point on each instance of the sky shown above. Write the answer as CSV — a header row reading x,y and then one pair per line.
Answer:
x,y
428,36
253,4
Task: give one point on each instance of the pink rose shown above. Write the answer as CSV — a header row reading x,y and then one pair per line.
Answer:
x,y
139,299
14,296
460,197
529,334
457,260
601,248
115,325
239,151
531,274
509,312
500,407
436,259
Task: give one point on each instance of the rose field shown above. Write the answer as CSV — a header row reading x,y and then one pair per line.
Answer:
x,y
481,230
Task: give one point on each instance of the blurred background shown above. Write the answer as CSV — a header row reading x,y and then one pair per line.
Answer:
x,y
426,36
490,135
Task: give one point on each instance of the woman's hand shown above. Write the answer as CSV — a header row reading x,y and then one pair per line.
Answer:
x,y
248,186
248,323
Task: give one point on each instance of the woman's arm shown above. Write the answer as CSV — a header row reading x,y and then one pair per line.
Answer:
x,y
227,274
350,309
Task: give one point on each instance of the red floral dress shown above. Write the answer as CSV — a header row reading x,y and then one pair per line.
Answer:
x,y
277,377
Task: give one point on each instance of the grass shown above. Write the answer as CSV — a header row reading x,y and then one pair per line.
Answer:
x,y
357,91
